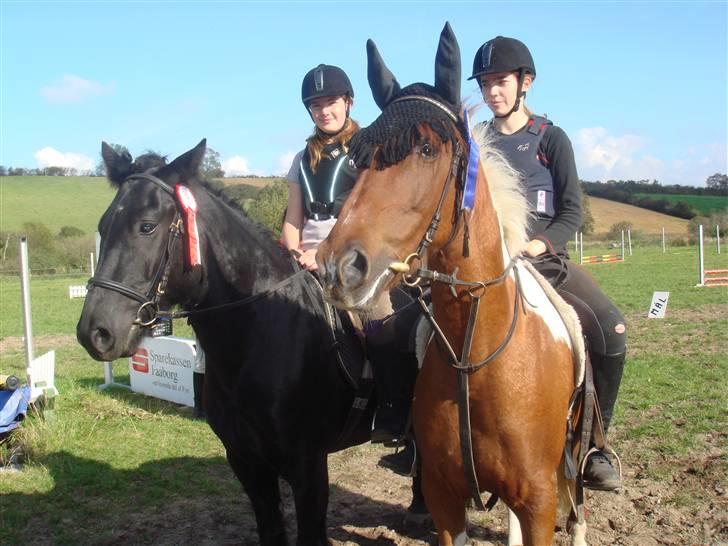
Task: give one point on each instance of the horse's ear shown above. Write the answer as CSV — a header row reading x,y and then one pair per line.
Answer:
x,y
382,82
187,166
118,165
448,66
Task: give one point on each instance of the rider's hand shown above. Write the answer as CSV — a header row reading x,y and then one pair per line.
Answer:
x,y
307,260
534,247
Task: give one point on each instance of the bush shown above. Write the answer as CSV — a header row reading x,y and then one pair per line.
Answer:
x,y
70,231
269,206
615,232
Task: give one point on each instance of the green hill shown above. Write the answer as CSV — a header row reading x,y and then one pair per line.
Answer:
x,y
58,201
704,204
54,201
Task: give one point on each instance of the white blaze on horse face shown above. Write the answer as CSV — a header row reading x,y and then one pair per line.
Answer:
x,y
537,302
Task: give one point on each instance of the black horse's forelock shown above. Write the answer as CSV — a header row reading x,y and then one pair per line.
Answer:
x,y
393,135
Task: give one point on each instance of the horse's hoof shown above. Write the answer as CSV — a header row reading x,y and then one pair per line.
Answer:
x,y
417,519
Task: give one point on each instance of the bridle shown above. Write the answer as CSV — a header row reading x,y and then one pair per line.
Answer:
x,y
150,300
474,290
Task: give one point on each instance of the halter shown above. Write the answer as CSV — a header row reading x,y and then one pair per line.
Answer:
x,y
150,300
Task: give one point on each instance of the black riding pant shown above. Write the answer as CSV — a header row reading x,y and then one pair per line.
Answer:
x,y
601,321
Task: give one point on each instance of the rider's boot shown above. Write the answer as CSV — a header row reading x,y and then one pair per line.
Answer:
x,y
394,376
401,462
393,396
600,473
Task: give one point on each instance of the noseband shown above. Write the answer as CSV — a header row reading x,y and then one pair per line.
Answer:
x,y
150,300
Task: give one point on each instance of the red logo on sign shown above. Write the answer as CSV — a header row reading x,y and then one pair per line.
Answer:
x,y
139,360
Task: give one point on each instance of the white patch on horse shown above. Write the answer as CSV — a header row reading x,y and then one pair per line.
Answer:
x,y
535,299
460,540
368,297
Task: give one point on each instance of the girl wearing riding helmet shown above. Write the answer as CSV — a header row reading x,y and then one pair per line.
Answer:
x,y
542,153
319,181
322,175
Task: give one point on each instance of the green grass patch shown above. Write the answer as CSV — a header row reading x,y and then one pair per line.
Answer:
x,y
55,201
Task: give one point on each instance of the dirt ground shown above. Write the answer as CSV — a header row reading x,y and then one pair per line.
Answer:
x,y
368,506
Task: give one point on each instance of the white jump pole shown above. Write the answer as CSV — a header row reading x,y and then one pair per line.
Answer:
x,y
622,245
700,255
91,261
25,295
108,366
663,240
629,238
717,236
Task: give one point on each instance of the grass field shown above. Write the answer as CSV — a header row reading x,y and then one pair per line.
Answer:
x,y
606,213
116,467
704,204
55,201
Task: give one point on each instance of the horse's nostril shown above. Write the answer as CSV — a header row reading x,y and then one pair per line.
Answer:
x,y
353,268
102,339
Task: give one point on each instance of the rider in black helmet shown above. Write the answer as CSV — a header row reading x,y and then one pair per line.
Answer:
x,y
321,175
542,153
319,181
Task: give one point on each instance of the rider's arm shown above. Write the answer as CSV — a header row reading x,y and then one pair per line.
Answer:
x,y
567,189
294,217
293,222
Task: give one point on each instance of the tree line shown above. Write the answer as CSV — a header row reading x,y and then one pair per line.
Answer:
x,y
628,191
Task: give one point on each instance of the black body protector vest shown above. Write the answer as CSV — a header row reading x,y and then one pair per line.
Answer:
x,y
522,151
325,191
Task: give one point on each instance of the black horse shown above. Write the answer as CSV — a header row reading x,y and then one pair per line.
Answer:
x,y
275,391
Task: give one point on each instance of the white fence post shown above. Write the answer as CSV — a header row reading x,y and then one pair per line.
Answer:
x,y
25,294
717,236
701,263
629,239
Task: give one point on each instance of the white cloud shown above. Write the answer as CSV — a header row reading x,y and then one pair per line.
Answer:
x,y
283,164
237,165
601,156
50,157
72,88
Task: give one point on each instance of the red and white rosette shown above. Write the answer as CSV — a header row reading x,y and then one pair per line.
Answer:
x,y
189,208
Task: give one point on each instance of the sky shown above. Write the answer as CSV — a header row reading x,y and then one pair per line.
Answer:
x,y
639,86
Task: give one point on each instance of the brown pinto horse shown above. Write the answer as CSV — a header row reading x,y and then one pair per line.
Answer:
x,y
516,364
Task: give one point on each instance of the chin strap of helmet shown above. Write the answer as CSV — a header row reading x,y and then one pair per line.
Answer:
x,y
519,94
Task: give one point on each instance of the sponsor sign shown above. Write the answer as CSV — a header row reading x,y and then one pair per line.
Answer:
x,y
659,305
162,367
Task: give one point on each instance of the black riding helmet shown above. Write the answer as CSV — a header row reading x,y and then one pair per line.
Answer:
x,y
503,54
325,81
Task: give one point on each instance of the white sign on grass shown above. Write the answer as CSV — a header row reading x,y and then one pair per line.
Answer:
x,y
162,367
659,305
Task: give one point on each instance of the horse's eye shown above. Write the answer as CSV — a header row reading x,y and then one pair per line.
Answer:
x,y
147,228
427,150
